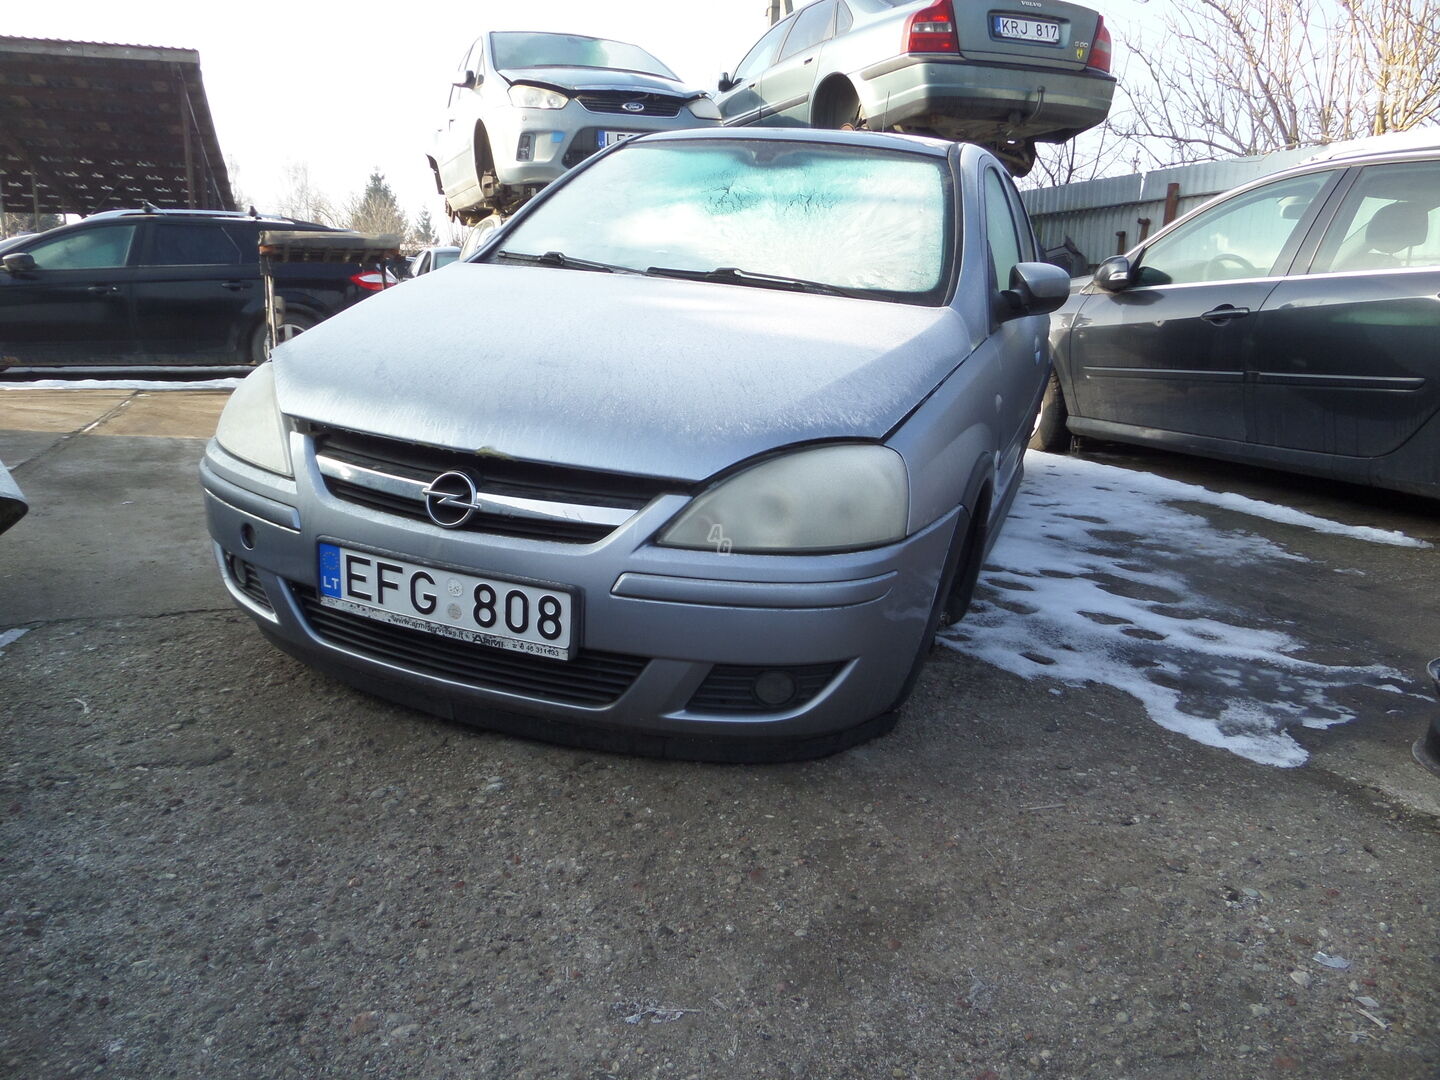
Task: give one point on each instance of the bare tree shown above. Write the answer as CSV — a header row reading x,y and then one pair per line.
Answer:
x,y
1101,151
301,199
1399,60
1237,77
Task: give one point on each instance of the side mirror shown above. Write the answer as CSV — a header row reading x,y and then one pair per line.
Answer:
x,y
19,262
1115,274
467,80
1036,289
726,83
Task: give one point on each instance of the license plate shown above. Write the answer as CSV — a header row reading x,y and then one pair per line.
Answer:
x,y
1008,26
535,619
610,138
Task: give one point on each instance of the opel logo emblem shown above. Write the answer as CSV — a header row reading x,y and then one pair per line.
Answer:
x,y
634,106
451,499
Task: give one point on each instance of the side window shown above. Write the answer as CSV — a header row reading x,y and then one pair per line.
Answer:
x,y
1388,221
812,26
246,237
1000,230
763,54
91,249
843,18
1243,237
191,245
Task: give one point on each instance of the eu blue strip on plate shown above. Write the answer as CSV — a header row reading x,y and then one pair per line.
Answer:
x,y
330,570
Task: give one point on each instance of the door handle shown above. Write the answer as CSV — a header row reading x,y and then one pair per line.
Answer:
x,y
1225,313
235,286
103,290
808,60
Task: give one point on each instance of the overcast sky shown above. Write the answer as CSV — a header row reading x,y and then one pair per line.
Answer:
x,y
345,88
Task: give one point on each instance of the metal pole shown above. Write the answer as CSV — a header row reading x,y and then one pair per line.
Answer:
x,y
189,150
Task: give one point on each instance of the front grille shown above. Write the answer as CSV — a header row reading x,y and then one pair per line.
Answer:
x,y
729,688
614,101
591,678
247,580
568,532
580,488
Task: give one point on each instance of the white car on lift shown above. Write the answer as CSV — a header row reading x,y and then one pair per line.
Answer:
x,y
526,106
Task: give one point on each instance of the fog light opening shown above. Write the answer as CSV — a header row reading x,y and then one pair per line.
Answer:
x,y
247,536
775,688
523,150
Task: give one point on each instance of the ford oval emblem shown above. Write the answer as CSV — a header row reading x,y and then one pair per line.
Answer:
x,y
634,106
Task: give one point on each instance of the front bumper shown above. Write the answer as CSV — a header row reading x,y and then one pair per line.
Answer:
x,y
556,139
977,99
669,639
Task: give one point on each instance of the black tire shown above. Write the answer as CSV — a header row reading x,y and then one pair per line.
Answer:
x,y
293,324
1050,433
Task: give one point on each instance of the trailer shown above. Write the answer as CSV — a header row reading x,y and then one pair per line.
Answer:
x,y
369,250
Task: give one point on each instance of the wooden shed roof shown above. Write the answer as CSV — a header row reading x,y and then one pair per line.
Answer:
x,y
87,126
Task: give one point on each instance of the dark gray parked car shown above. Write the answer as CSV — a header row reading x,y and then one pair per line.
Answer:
x,y
1291,323
692,458
1004,76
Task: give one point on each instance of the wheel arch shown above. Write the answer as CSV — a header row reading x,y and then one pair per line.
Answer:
x,y
834,92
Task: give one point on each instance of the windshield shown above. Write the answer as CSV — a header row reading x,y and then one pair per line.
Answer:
x,y
526,50
854,218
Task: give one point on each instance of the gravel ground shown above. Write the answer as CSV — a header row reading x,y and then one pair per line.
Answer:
x,y
220,864
217,863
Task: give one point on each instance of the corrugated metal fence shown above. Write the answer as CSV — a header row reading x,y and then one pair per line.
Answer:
x,y
1107,217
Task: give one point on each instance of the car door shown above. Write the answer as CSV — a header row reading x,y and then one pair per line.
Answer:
x,y
191,293
742,104
75,305
1021,343
1167,352
1347,354
785,86
456,138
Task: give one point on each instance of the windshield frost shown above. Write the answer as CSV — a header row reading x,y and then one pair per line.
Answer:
x,y
850,217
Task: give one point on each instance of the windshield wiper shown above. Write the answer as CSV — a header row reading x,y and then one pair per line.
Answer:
x,y
565,262
733,275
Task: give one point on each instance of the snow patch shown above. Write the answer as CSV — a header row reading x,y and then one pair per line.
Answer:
x,y
9,637
1086,585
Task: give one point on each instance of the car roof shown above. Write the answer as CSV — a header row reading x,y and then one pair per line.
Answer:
x,y
879,140
1391,144
226,215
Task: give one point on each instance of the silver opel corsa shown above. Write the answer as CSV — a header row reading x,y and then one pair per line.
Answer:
x,y
691,459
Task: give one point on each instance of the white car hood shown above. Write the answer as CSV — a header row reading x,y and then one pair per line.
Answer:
x,y
616,371
589,78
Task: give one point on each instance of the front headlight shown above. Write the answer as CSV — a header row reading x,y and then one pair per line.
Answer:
x,y
702,108
251,427
832,498
536,97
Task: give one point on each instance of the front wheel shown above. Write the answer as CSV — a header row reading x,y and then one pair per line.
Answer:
x,y
292,325
1050,434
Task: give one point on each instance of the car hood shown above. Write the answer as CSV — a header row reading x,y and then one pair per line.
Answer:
x,y
589,78
620,372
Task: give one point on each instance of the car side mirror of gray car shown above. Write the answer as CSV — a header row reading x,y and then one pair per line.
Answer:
x,y
19,262
468,80
726,82
1115,274
1035,289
